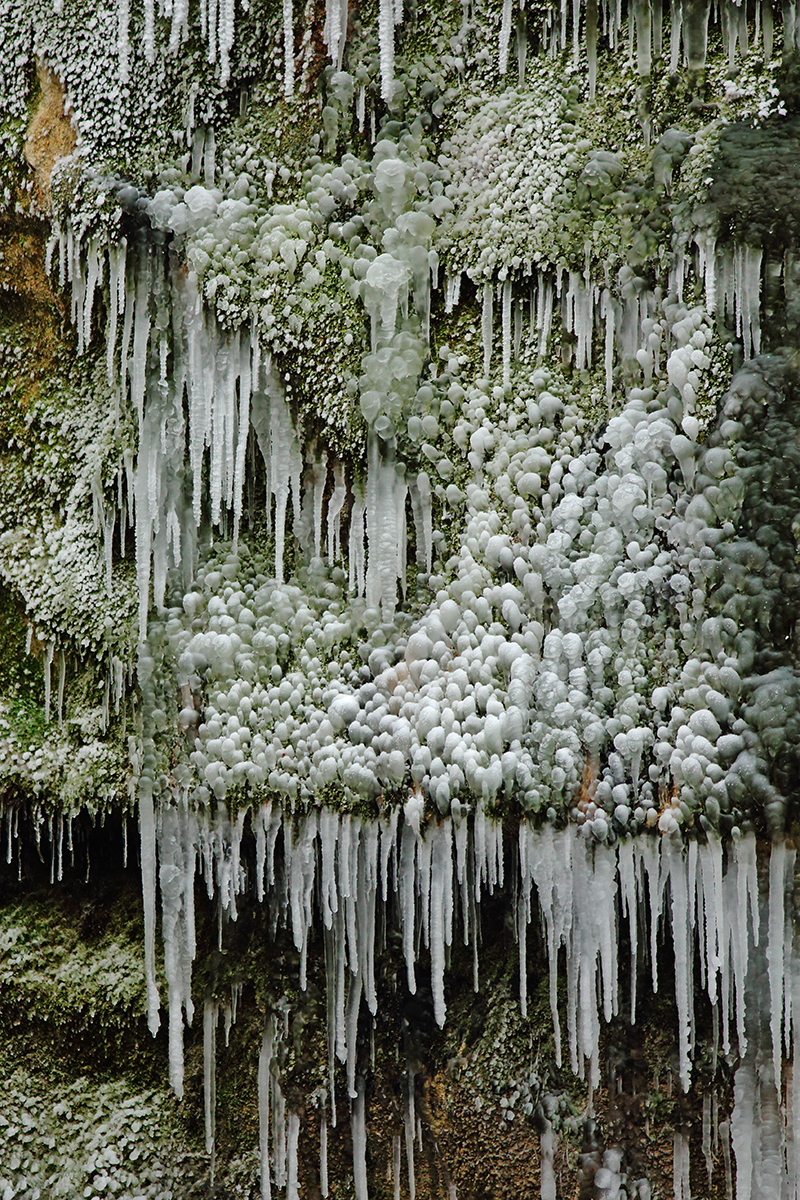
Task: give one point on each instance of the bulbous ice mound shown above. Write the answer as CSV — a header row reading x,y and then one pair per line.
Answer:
x,y
392,184
387,283
602,665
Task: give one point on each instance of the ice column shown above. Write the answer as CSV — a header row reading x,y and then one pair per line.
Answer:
x,y
288,49
386,23
385,511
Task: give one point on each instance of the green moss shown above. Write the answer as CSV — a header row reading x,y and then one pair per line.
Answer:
x,y
20,672
73,964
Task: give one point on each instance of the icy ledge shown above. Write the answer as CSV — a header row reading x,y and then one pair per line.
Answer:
x,y
728,910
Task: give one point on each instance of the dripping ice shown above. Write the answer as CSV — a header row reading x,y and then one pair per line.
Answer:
x,y
721,913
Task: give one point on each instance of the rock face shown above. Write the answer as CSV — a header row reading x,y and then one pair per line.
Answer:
x,y
399,515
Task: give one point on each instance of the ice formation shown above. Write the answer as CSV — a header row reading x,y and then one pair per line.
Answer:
x,y
477,584
525,676
217,19
346,880
678,32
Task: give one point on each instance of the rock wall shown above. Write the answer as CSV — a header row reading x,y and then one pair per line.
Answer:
x,y
398,590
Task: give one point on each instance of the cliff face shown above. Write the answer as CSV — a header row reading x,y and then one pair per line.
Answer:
x,y
399,515
89,1107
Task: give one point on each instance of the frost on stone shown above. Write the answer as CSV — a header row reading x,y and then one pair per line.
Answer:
x,y
542,570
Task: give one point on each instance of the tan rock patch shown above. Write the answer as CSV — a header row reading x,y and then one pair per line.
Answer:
x,y
50,134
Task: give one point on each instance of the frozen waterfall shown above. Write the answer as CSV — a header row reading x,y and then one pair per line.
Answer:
x,y
338,883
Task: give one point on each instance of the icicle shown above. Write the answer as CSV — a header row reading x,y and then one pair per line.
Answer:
x,y
408,1123
590,38
210,1016
423,520
353,1007
544,311
180,25
49,651
264,1087
288,49
518,320
386,24
683,962
123,42
335,506
388,849
280,449
505,37
116,258
323,1157
241,441
747,284
332,31
452,291
356,555
226,30
549,1145
523,915
775,958
147,829
279,1132
62,678
141,333
642,15
767,24
680,1165
292,1140
793,1122
339,1018
695,33
550,858
676,23
367,895
176,847
486,327
629,897
359,1132
711,891
506,314
92,277
407,889
320,480
385,506
521,30
441,898
212,6
149,31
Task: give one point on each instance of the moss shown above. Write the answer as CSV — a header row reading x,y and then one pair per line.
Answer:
x,y
74,964
20,673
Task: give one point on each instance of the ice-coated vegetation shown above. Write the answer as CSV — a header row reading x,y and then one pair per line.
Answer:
x,y
422,454
90,1140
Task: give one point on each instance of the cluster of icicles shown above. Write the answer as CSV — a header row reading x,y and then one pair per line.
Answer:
x,y
729,916
626,319
229,386
224,386
640,25
218,30
686,34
